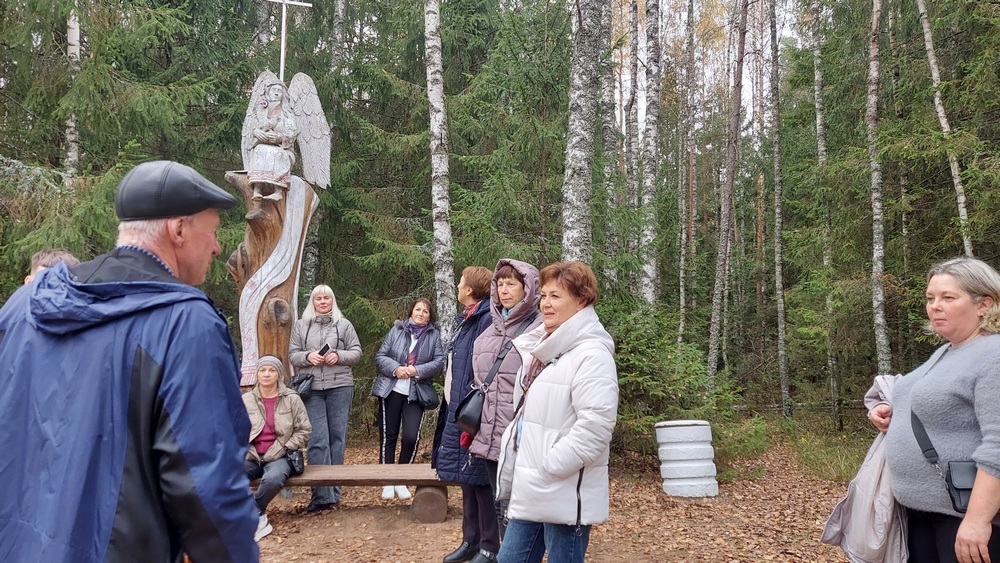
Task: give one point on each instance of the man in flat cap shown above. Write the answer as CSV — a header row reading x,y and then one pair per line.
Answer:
x,y
123,429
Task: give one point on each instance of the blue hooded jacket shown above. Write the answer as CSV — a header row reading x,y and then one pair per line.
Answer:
x,y
454,464
124,431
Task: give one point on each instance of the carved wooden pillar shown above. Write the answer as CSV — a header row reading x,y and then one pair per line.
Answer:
x,y
266,269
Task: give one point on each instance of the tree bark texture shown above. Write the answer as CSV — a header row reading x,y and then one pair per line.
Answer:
x,y
956,174
610,141
577,181
650,153
779,280
831,359
686,166
883,353
71,151
726,197
266,269
444,266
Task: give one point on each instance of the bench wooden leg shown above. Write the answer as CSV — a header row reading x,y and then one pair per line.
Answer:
x,y
430,504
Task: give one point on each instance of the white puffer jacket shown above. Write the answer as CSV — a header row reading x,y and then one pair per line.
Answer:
x,y
559,474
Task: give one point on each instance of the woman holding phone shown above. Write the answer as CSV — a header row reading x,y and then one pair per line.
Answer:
x,y
325,344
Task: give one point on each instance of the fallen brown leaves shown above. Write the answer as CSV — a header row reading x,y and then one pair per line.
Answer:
x,y
776,517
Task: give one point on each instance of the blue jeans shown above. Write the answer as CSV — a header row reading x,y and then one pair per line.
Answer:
x,y
329,411
272,477
526,542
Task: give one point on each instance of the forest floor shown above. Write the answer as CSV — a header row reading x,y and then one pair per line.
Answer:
x,y
776,514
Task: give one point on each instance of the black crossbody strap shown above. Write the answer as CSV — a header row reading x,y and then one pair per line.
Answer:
x,y
505,349
926,447
923,440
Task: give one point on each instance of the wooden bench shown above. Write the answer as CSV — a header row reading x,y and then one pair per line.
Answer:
x,y
430,502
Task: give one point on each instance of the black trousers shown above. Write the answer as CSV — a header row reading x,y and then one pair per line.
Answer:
x,y
931,538
479,521
395,411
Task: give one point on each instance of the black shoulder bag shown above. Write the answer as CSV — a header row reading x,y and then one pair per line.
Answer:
x,y
961,475
469,412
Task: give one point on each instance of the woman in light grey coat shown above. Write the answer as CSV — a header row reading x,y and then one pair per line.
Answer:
x,y
329,403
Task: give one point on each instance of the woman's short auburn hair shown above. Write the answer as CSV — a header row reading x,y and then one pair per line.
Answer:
x,y
576,277
478,279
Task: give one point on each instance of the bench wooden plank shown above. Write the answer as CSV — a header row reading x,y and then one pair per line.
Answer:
x,y
417,474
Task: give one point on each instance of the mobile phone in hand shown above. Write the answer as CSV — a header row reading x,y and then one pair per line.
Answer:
x,y
324,349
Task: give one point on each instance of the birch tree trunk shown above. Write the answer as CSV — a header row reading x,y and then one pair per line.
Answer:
x,y
444,268
726,196
577,181
650,153
610,142
779,282
956,174
339,50
71,151
883,353
831,359
686,179
632,109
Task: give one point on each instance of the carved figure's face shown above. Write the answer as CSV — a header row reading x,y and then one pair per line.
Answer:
x,y
275,92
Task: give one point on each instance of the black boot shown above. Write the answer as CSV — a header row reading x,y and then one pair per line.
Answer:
x,y
484,557
465,552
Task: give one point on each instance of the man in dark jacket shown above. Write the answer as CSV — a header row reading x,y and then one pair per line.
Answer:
x,y
123,422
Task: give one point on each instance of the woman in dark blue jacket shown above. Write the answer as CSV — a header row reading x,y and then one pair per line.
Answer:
x,y
411,350
480,533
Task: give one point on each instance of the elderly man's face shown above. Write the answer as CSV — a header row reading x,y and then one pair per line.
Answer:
x,y
194,255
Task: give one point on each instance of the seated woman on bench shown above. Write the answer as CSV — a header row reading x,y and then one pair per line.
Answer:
x,y
278,423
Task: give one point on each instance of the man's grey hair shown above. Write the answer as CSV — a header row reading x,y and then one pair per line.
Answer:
x,y
143,232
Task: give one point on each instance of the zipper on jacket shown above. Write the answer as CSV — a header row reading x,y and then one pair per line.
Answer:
x,y
579,503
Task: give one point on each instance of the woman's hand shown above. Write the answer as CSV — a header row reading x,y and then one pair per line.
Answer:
x,y
314,358
331,358
972,541
880,416
405,372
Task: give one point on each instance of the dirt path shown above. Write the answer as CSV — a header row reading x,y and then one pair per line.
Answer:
x,y
777,517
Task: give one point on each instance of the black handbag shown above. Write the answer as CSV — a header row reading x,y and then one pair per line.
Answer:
x,y
302,384
427,395
469,412
296,461
961,475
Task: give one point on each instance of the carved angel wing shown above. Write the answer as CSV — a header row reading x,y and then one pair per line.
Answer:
x,y
314,131
255,113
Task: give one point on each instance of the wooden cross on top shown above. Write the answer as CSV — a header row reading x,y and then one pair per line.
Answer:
x,y
284,15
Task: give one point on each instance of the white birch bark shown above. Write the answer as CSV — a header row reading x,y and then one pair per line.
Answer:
x,y
632,109
831,359
779,281
339,50
444,277
650,153
71,149
882,351
577,180
956,174
610,142
684,178
726,196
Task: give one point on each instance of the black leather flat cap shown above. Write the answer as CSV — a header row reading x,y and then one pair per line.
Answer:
x,y
163,188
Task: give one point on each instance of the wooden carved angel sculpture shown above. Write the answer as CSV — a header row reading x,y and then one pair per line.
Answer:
x,y
279,207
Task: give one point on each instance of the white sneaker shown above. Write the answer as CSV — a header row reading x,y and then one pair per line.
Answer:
x,y
263,528
402,492
388,492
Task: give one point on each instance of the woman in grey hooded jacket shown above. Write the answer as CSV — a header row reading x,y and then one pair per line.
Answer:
x,y
329,402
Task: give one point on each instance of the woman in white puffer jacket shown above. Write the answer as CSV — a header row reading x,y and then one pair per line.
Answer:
x,y
554,463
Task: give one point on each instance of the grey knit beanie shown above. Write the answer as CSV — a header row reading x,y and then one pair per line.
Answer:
x,y
272,361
